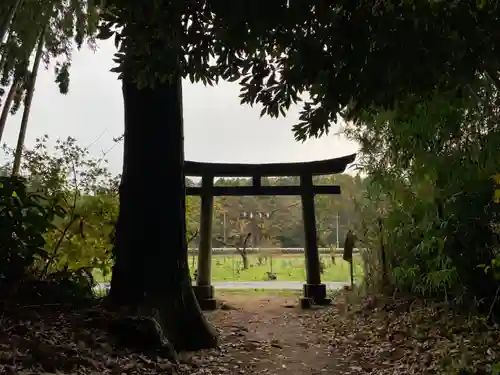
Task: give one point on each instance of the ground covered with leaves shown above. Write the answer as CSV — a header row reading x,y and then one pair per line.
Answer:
x,y
262,335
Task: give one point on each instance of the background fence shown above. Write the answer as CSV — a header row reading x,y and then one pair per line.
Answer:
x,y
273,250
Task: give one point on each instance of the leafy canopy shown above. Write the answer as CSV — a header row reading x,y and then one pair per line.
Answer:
x,y
347,55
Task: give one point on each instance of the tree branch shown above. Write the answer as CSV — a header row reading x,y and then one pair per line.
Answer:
x,y
241,249
190,239
245,242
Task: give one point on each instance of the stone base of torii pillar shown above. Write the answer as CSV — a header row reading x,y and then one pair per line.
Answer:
x,y
314,294
205,296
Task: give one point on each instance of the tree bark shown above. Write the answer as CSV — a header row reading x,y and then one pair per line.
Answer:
x,y
244,258
7,104
5,53
27,105
151,259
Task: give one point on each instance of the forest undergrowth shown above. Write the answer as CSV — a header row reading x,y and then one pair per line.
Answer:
x,y
262,334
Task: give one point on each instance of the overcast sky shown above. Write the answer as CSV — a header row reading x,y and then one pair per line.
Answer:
x,y
217,127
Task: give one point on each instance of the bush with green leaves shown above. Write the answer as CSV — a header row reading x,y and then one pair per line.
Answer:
x,y
66,173
429,196
25,218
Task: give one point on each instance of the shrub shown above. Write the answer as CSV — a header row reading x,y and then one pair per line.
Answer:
x,y
25,218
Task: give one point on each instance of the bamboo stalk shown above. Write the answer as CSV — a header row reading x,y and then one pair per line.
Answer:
x,y
4,26
7,104
27,104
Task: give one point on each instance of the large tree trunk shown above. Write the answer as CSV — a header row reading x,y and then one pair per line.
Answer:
x,y
151,260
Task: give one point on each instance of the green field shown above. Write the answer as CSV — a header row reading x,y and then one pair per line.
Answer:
x,y
286,267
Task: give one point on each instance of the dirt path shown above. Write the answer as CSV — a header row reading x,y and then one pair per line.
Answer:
x,y
262,335
269,335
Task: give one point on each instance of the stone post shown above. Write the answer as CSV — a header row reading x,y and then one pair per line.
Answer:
x,y
314,290
203,289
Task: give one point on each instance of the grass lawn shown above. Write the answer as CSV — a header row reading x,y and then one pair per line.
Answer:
x,y
286,267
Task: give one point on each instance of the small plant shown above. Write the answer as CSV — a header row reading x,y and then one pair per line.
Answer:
x,y
261,260
25,217
322,266
271,276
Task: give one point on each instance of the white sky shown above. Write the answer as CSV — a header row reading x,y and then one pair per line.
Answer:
x,y
217,127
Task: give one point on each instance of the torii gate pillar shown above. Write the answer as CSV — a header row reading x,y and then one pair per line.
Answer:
x,y
203,289
314,290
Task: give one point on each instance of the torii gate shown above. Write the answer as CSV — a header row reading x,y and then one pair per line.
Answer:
x,y
314,290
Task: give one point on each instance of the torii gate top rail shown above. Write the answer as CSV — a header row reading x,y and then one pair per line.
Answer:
x,y
320,167
305,170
